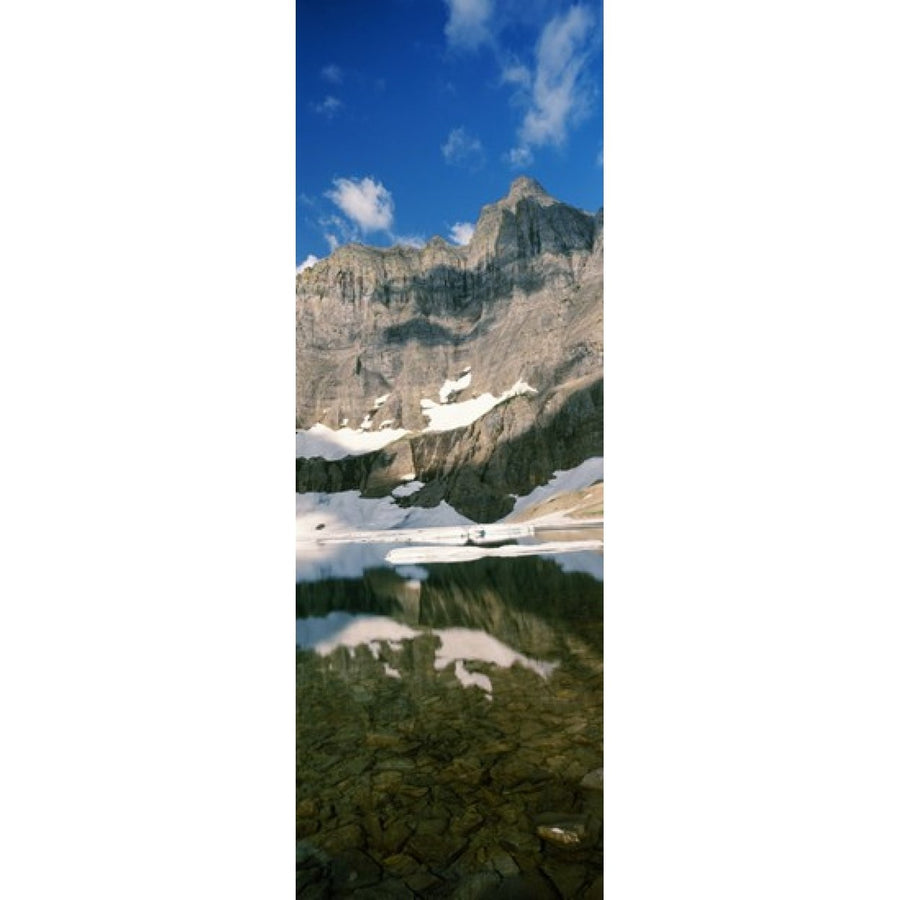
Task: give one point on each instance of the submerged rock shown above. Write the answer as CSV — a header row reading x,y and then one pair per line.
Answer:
x,y
562,829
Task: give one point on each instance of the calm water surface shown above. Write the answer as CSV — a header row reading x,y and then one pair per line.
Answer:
x,y
449,730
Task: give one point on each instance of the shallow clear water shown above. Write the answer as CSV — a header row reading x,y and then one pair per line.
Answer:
x,y
449,731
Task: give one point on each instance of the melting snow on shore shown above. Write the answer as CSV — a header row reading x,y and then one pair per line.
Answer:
x,y
348,511
563,481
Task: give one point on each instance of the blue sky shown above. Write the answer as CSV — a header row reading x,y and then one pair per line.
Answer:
x,y
412,114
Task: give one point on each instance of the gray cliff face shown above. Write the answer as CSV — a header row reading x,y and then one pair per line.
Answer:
x,y
523,301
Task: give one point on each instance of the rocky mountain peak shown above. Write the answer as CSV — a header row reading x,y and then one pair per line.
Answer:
x,y
525,188
525,223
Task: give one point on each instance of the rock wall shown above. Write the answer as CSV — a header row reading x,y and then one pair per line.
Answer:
x,y
521,301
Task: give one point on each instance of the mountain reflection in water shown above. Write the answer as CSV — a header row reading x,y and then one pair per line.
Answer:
x,y
449,731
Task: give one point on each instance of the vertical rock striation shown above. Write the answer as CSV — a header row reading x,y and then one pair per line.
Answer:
x,y
521,302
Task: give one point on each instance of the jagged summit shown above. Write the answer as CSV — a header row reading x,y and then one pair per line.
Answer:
x,y
525,187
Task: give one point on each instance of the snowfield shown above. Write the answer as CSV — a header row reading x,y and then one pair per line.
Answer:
x,y
349,511
345,512
341,535
320,440
447,416
449,388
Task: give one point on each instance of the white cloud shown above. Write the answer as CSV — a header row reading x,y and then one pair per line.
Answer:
x,y
520,157
516,73
328,107
461,233
560,93
366,202
463,149
332,73
560,89
310,260
467,27
337,230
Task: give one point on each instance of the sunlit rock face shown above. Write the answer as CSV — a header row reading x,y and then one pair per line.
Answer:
x,y
385,336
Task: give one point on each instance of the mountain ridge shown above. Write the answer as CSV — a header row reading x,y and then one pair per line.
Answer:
x,y
408,338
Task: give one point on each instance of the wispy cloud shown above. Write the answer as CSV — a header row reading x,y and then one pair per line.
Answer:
x,y
329,107
517,74
467,28
337,230
461,233
463,149
367,203
561,89
519,157
560,94
332,73
310,260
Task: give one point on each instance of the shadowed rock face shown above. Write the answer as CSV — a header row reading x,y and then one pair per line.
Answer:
x,y
511,450
523,301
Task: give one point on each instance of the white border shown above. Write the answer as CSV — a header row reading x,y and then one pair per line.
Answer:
x,y
146,356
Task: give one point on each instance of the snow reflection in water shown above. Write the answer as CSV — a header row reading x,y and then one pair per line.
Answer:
x,y
457,645
449,717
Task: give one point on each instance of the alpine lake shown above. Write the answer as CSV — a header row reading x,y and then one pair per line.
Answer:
x,y
450,729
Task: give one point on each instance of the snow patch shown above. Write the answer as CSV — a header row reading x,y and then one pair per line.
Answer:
x,y
563,481
349,511
449,388
320,440
323,516
380,401
456,415
407,489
